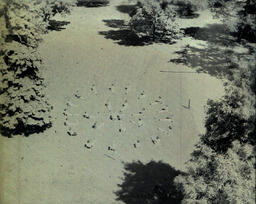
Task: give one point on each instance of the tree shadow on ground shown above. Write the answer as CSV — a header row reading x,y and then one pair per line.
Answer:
x,y
185,10
124,35
210,59
115,23
57,25
128,9
151,183
212,33
92,3
214,58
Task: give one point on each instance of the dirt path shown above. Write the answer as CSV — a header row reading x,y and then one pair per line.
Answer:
x,y
117,105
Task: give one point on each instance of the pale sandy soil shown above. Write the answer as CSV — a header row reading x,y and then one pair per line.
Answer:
x,y
119,82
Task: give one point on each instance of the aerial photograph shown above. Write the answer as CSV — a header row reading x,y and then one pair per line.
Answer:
x,y
127,101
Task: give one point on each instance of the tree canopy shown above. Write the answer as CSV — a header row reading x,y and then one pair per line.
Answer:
x,y
24,107
219,178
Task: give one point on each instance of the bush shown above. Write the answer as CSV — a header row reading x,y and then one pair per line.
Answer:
x,y
26,21
216,178
233,117
154,21
23,107
238,15
227,122
186,8
222,166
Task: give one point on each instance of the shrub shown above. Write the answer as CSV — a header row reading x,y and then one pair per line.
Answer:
x,y
222,166
238,15
226,123
23,107
186,8
219,178
233,117
155,22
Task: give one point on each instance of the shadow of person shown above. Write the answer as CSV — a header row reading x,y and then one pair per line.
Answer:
x,y
151,183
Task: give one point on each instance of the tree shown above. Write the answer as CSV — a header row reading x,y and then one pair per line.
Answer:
x,y
24,19
154,21
238,15
222,166
188,8
219,178
228,120
23,107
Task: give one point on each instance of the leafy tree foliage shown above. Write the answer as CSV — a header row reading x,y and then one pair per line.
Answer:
x,y
226,122
222,166
26,21
155,20
23,107
153,16
233,117
219,178
238,15
188,7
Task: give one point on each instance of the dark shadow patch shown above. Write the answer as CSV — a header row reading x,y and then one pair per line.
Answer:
x,y
151,183
22,39
191,31
189,16
24,71
185,10
247,33
57,25
23,129
128,9
125,37
92,3
215,58
212,33
115,23
211,59
224,124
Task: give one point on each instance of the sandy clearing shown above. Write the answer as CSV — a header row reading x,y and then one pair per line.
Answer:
x,y
56,168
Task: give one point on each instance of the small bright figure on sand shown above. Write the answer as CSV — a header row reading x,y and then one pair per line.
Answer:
x,y
188,106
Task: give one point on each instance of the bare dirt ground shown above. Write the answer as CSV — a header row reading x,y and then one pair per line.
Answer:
x,y
112,105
